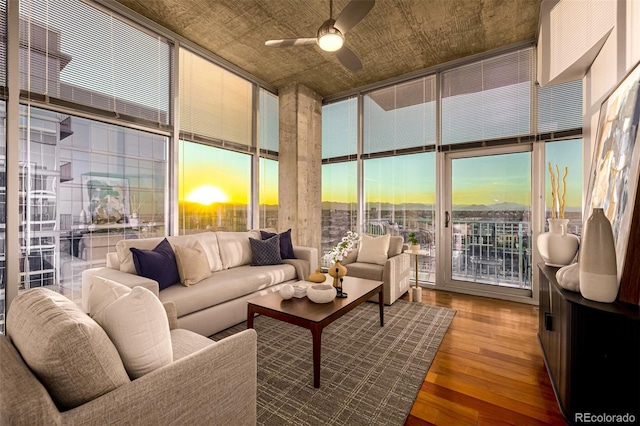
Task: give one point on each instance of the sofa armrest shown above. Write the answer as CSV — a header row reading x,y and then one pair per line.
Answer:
x,y
396,277
215,385
310,254
124,278
17,379
172,314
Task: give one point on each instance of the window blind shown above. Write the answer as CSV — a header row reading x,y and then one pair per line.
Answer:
x,y
214,103
560,107
401,116
75,52
340,129
3,47
268,118
488,99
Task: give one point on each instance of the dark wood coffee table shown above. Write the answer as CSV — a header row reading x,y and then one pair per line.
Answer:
x,y
316,316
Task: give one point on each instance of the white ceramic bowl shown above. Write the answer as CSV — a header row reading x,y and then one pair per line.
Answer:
x,y
321,293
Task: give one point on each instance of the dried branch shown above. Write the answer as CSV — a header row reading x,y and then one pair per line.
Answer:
x,y
564,191
554,192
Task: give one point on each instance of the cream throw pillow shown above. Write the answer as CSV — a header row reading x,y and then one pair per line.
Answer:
x,y
102,293
373,249
137,325
193,265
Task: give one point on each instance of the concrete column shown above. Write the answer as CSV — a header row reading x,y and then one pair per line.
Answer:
x,y
299,164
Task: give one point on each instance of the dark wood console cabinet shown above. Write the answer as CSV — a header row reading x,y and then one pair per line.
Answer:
x,y
591,349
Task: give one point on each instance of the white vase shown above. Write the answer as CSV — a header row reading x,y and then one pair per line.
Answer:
x,y
557,247
598,267
569,277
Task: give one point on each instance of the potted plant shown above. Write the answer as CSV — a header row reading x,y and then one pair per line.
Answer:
x,y
413,242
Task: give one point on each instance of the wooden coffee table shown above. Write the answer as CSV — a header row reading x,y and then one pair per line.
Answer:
x,y
316,316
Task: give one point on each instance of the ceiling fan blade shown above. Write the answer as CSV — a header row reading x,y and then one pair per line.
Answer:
x,y
349,59
353,13
288,42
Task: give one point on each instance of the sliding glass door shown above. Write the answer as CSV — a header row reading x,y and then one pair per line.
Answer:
x,y
487,220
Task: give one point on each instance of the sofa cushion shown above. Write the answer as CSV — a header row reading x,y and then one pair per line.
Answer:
x,y
209,243
102,293
67,350
193,265
369,271
373,249
137,325
235,249
208,240
265,252
185,342
158,264
226,285
286,246
396,244
126,257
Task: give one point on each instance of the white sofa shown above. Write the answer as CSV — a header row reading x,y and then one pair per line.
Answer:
x,y
219,301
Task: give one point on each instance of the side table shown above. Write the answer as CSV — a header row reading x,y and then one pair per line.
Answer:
x,y
416,291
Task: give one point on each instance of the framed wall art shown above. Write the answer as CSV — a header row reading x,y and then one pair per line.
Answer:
x,y
105,199
613,180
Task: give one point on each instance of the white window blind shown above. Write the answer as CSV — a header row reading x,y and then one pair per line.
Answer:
x,y
488,99
268,118
75,52
214,103
560,107
3,46
400,116
340,129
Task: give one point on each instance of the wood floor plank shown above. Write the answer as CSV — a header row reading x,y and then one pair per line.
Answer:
x,y
489,369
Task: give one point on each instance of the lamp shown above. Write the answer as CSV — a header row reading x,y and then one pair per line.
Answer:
x,y
330,38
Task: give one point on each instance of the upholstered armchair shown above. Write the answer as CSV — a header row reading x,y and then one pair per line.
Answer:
x,y
59,367
393,270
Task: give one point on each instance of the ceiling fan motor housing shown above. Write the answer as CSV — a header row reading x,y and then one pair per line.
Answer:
x,y
329,37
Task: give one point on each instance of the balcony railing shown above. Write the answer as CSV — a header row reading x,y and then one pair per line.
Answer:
x,y
489,252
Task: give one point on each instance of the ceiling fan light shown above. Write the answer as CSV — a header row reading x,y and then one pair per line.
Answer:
x,y
330,42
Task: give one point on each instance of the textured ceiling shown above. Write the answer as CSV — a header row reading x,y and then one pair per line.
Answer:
x,y
396,38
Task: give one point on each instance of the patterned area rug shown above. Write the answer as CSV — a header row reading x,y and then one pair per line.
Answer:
x,y
369,374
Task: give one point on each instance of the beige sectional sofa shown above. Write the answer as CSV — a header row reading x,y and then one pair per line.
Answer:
x,y
219,301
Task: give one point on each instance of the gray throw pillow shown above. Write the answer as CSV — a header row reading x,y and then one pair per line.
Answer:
x,y
266,252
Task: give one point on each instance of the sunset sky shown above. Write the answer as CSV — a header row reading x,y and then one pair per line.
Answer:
x,y
401,179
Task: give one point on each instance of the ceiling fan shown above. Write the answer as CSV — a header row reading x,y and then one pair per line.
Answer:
x,y
330,35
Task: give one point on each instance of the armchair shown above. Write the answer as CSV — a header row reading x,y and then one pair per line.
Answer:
x,y
394,273
208,382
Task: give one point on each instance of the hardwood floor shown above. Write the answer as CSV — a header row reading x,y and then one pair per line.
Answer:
x,y
489,369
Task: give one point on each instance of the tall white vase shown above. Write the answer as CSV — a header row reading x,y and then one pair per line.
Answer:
x,y
557,247
598,267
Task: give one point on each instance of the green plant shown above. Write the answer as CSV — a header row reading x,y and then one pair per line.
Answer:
x,y
412,238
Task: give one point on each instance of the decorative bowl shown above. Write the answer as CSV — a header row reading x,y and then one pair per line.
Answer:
x,y
321,293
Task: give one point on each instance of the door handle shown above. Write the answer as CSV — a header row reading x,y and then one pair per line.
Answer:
x,y
447,218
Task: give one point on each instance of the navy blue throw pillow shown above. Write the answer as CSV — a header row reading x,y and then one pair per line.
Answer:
x,y
266,252
158,264
286,247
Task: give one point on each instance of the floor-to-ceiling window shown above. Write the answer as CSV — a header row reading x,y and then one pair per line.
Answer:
x,y
216,147
3,124
399,184
339,172
214,189
91,179
450,156
268,166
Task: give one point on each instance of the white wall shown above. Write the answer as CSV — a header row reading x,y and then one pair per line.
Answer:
x,y
598,39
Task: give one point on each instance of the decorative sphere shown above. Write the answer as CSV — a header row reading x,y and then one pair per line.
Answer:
x,y
286,291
